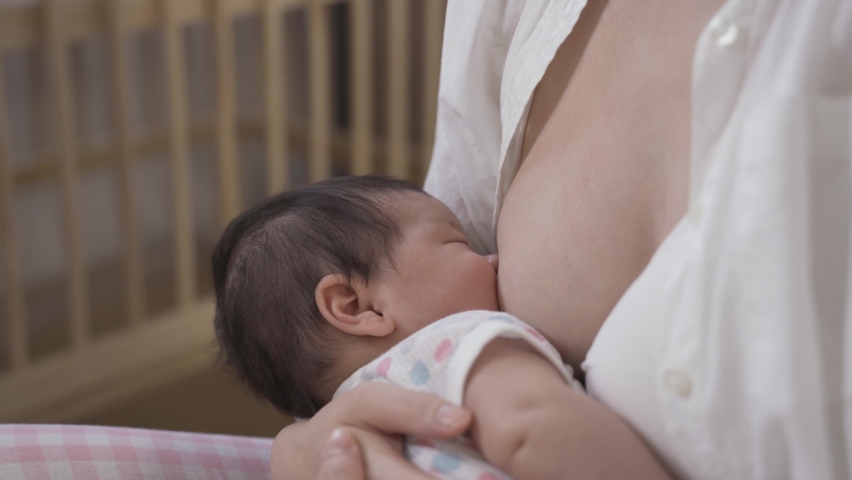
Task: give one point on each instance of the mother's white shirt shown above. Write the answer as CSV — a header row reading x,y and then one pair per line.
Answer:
x,y
732,352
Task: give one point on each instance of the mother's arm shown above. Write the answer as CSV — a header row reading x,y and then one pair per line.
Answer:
x,y
369,419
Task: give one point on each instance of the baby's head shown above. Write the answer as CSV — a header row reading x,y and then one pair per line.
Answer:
x,y
314,283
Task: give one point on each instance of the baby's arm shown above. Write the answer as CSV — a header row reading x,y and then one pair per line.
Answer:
x,y
529,423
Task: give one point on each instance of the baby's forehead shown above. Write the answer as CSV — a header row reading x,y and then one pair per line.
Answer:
x,y
410,207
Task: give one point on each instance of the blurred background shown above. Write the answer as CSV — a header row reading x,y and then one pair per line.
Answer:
x,y
131,131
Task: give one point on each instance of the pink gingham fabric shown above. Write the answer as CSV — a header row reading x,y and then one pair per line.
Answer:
x,y
74,452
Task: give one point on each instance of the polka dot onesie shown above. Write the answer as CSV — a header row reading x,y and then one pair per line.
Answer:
x,y
437,360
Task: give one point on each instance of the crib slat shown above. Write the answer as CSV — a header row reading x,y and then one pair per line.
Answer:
x,y
184,246
398,88
15,306
226,131
433,33
361,94
133,275
277,160
78,300
320,103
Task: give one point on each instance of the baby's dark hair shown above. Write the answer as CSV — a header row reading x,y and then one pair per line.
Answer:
x,y
267,265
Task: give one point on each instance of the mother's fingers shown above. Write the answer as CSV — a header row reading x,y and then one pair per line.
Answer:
x,y
390,409
340,458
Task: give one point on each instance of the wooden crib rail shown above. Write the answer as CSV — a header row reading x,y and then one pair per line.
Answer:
x,y
15,307
320,141
226,132
361,87
133,272
59,68
277,160
22,24
184,250
87,375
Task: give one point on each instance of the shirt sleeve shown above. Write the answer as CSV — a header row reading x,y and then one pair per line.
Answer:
x,y
466,156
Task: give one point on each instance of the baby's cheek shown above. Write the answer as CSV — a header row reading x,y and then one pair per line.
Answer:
x,y
480,285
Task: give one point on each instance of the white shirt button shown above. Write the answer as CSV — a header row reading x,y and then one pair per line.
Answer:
x,y
678,383
724,31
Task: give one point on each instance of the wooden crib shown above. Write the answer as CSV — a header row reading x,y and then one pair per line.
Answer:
x,y
107,327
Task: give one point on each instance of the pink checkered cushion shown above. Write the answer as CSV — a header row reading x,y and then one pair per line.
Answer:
x,y
71,452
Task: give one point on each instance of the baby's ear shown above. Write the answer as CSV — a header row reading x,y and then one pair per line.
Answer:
x,y
346,305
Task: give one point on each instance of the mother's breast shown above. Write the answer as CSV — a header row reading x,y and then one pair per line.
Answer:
x,y
605,171
572,235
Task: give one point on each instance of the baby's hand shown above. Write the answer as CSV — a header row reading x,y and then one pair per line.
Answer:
x,y
340,458
373,415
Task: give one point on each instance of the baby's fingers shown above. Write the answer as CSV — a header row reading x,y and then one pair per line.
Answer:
x,y
383,459
340,458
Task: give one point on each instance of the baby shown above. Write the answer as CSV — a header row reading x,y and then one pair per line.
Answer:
x,y
359,279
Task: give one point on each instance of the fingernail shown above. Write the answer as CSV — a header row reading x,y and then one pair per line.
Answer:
x,y
451,415
338,443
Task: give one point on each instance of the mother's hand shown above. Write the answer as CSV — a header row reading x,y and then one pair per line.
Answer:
x,y
367,424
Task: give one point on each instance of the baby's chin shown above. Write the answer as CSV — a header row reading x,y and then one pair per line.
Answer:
x,y
483,298
469,306
493,304
490,303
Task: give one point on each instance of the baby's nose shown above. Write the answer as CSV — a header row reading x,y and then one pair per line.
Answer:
x,y
492,260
